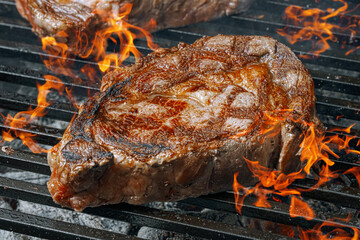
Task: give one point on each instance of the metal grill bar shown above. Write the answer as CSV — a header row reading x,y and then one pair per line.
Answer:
x,y
19,102
29,77
51,229
139,215
223,201
25,161
45,135
311,4
277,213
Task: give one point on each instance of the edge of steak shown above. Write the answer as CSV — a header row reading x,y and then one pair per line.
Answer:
x,y
163,129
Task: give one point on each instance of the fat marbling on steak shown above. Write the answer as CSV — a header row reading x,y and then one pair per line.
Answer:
x,y
162,129
49,17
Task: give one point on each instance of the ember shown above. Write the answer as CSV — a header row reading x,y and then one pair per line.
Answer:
x,y
8,150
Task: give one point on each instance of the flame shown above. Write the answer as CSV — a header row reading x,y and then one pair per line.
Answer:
x,y
316,148
273,227
70,95
339,231
317,24
338,117
299,208
356,172
57,60
61,51
352,50
117,25
84,45
287,230
22,119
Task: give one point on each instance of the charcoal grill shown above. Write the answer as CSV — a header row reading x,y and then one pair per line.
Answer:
x,y
337,83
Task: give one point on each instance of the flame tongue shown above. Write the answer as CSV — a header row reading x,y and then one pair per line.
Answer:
x,y
299,208
338,231
94,45
22,119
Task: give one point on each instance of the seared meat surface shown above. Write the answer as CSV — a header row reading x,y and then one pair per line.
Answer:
x,y
167,127
49,17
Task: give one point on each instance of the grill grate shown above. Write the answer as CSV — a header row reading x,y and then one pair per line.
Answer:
x,y
337,88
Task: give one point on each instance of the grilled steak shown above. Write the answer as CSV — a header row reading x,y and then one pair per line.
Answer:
x,y
167,127
49,17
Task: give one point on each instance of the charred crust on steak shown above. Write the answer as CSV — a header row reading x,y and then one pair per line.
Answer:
x,y
170,122
92,106
84,163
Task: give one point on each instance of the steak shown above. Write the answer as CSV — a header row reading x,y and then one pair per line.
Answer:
x,y
49,17
167,127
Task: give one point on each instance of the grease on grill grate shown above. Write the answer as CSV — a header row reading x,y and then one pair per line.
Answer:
x,y
26,208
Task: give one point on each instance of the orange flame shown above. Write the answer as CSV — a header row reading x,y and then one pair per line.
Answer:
x,y
299,208
95,46
356,172
338,117
352,50
287,230
57,60
22,119
315,24
338,231
315,148
60,59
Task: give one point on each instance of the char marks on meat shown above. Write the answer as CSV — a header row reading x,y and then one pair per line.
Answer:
x,y
162,129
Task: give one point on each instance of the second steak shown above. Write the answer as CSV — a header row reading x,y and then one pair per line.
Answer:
x,y
49,17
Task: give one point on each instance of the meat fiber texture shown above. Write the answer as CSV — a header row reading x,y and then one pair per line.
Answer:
x,y
49,17
163,129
